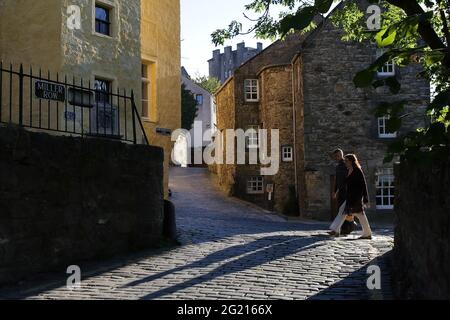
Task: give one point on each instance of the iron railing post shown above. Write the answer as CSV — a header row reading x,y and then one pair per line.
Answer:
x,y
133,106
21,76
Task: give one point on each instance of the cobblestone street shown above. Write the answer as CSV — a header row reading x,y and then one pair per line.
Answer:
x,y
231,250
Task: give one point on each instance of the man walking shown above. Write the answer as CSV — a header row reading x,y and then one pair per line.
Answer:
x,y
340,194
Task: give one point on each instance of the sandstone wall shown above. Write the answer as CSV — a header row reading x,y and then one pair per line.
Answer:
x,y
66,200
160,39
277,113
226,119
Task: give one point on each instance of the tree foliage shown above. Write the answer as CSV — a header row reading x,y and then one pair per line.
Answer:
x,y
411,31
210,84
188,108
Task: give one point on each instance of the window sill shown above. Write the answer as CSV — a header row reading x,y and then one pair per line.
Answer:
x,y
148,120
385,208
101,35
386,75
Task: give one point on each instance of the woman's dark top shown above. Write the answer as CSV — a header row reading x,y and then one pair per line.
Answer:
x,y
357,194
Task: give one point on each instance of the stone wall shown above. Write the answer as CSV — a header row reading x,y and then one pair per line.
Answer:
x,y
422,234
336,114
226,119
274,110
276,113
64,200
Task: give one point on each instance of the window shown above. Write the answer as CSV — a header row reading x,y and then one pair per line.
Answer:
x,y
102,90
385,189
288,154
199,98
145,91
102,20
255,185
149,99
251,90
388,69
382,129
252,137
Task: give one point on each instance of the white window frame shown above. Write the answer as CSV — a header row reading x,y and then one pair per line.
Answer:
x,y
252,137
388,69
382,129
251,88
255,185
385,175
113,28
147,83
287,153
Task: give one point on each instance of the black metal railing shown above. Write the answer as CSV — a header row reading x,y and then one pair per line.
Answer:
x,y
68,105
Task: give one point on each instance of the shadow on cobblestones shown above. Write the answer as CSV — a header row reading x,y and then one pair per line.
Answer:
x,y
250,255
354,286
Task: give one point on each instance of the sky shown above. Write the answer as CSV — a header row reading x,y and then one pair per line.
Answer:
x,y
199,18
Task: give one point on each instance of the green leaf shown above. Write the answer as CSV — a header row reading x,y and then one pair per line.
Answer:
x,y
389,158
323,6
440,101
393,124
378,83
364,78
386,37
304,17
393,84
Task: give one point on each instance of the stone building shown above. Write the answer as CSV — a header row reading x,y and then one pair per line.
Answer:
x,y
303,86
222,65
110,44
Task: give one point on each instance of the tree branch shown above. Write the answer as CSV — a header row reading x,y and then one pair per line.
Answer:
x,y
425,28
445,27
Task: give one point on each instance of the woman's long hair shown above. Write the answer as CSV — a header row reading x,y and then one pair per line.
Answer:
x,y
354,160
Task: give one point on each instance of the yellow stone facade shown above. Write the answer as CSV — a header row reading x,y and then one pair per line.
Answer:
x,y
36,33
161,51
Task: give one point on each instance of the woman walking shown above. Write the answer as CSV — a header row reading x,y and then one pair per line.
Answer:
x,y
357,198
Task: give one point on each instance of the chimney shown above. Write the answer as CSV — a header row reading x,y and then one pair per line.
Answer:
x,y
216,54
259,46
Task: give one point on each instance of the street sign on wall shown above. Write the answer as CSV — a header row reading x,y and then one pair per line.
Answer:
x,y
50,91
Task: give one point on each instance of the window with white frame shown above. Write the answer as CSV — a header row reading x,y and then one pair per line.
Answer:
x,y
102,19
251,90
145,90
385,189
388,69
288,154
255,185
252,137
383,131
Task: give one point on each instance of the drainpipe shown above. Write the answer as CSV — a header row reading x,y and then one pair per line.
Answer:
x,y
294,123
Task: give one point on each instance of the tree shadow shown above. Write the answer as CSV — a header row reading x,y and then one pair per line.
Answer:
x,y
247,256
355,284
